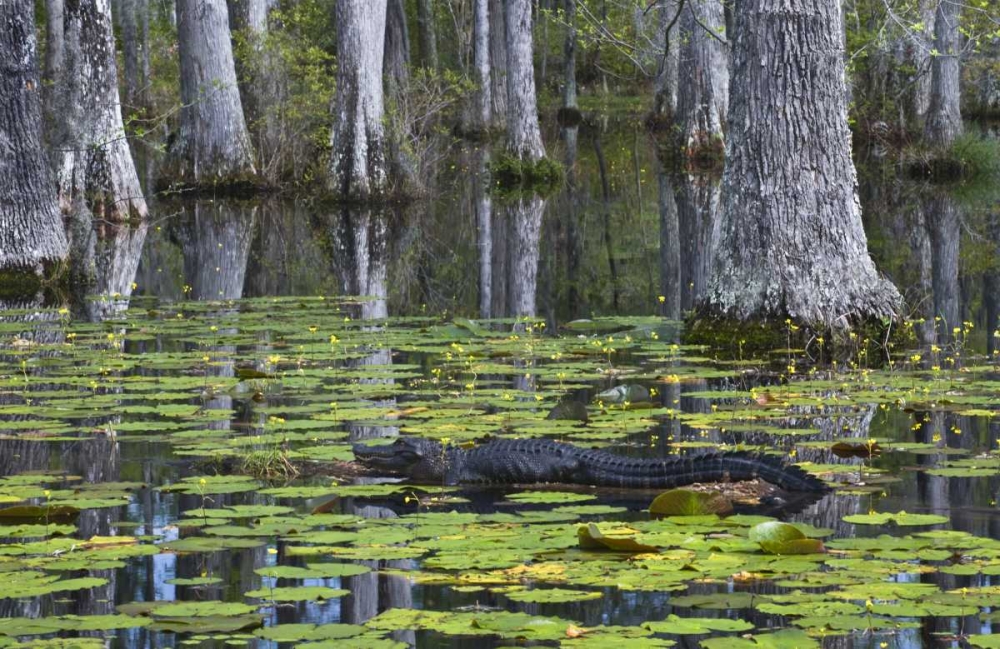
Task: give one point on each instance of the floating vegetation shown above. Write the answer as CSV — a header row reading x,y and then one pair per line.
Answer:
x,y
125,447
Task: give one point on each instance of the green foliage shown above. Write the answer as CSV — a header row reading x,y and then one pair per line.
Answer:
x,y
294,67
513,174
977,155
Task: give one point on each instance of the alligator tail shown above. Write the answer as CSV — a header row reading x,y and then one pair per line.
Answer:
x,y
712,467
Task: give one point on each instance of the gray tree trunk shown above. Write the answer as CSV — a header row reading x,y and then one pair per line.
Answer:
x,y
483,112
943,220
985,100
569,56
665,97
93,161
483,204
791,238
99,188
130,51
944,115
922,61
213,144
55,54
670,248
572,215
703,71
358,156
698,204
31,230
397,47
524,138
523,221
498,62
427,34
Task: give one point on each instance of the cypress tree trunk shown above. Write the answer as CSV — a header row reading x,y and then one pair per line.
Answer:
x,y
569,55
923,61
358,156
130,51
792,242
698,204
522,218
31,230
55,54
944,116
524,139
703,71
498,62
665,97
670,248
397,47
943,220
212,145
95,172
427,34
483,111
98,185
483,204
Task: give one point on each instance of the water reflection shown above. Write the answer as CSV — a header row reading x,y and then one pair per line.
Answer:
x,y
113,258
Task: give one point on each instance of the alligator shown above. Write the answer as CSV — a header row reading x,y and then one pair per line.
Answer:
x,y
527,461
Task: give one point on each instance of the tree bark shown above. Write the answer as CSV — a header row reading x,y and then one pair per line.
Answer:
x,y
483,112
524,138
523,221
358,157
130,51
703,71
792,242
94,164
397,48
698,204
213,144
31,230
427,34
944,115
483,204
923,61
670,248
665,96
99,188
569,56
55,54
943,221
498,62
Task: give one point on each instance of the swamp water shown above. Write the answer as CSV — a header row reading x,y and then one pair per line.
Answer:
x,y
126,424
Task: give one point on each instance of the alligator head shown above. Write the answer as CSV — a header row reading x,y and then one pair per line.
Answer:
x,y
421,460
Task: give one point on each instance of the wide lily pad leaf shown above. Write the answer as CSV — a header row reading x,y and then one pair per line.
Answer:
x,y
22,626
685,502
899,518
298,593
776,537
549,497
202,609
553,595
309,632
591,537
696,625
36,514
